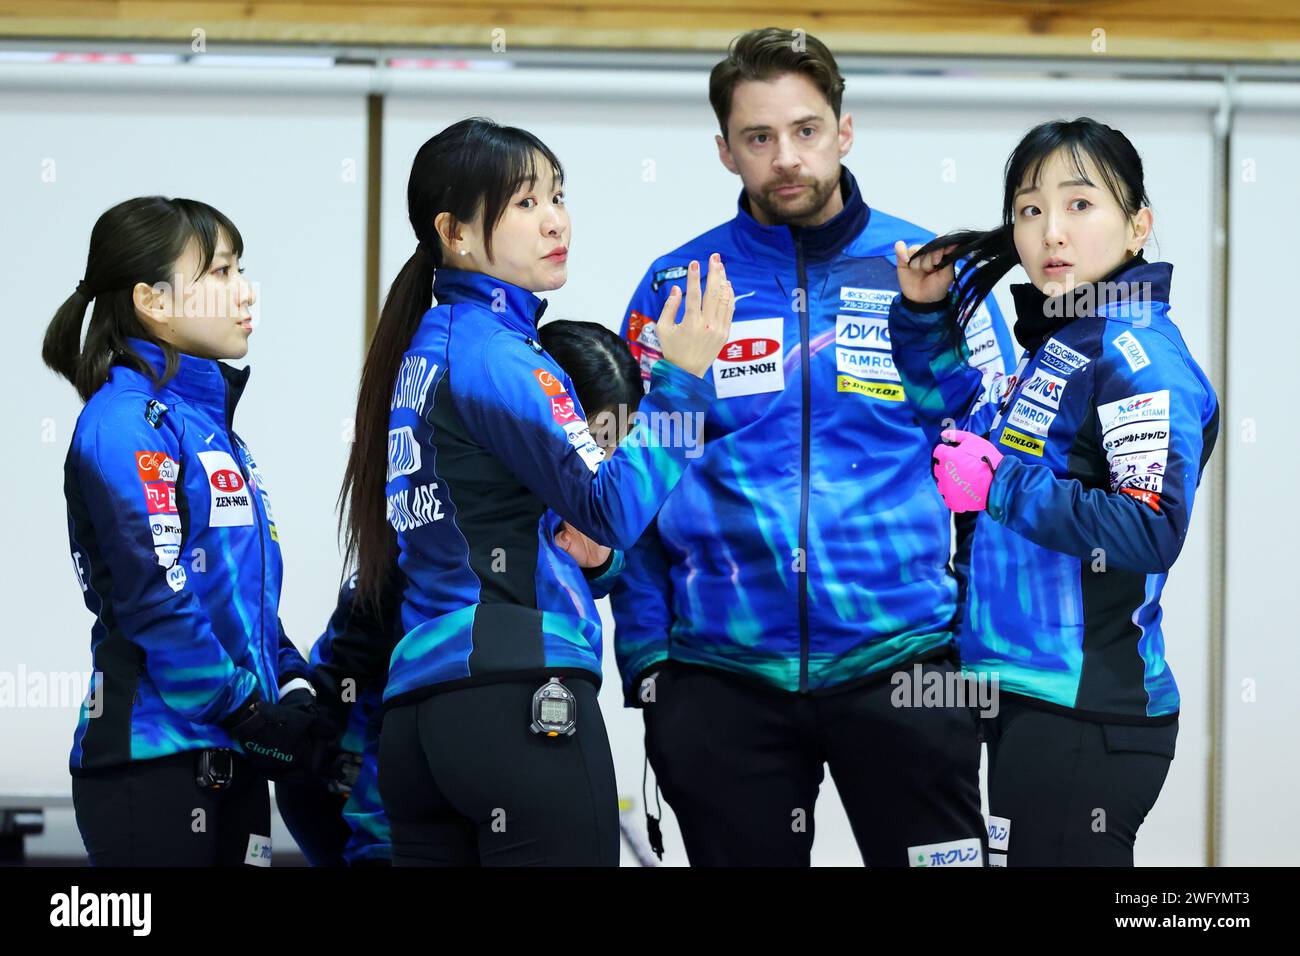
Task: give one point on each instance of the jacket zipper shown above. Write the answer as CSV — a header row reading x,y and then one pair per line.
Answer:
x,y
805,452
261,544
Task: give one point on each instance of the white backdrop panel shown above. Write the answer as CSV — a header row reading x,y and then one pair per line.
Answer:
x,y
290,171
1262,653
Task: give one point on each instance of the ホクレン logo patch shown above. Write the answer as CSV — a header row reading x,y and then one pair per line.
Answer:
x,y
951,853
259,851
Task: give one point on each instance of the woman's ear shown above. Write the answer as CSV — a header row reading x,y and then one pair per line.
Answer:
x,y
150,307
1140,228
448,230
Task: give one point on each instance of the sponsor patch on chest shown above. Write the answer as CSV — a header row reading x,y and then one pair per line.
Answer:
x,y
1061,359
231,501
1030,418
751,362
866,301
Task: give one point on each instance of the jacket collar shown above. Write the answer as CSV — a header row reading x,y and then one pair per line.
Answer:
x,y
819,242
1039,316
199,381
523,309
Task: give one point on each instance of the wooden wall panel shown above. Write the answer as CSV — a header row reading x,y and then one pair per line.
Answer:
x,y
1191,29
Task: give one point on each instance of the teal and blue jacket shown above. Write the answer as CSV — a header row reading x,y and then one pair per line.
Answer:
x,y
485,435
806,549
177,555
1105,428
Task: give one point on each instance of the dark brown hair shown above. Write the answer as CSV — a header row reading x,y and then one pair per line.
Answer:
x,y
768,53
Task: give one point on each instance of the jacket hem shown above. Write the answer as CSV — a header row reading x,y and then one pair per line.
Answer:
x,y
1092,716
416,694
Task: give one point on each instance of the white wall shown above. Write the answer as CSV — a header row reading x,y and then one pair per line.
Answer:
x,y
1262,655
275,165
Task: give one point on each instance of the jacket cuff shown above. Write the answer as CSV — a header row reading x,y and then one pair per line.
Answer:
x,y
296,683
923,308
1002,488
231,722
682,389
593,574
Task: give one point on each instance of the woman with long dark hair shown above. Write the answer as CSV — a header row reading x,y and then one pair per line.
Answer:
x,y
1082,467
338,818
493,750
175,549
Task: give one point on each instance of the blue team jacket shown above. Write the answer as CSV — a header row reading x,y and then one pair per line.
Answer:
x,y
1106,427
807,548
178,557
485,435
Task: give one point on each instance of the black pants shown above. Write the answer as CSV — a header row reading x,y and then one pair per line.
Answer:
x,y
741,767
153,813
465,782
1074,791
314,817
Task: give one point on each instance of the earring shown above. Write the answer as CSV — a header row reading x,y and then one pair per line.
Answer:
x,y
464,252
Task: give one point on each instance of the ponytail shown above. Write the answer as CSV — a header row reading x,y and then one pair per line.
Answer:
x,y
987,257
61,350
370,543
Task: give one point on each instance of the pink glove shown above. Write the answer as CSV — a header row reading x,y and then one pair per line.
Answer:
x,y
963,469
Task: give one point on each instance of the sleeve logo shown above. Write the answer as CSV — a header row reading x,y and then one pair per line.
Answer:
x,y
155,466
549,383
1132,351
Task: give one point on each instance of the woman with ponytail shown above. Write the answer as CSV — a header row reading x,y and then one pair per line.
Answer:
x,y
339,818
493,750
198,697
1082,468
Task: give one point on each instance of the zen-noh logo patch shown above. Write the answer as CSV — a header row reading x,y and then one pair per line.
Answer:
x,y
752,360
231,506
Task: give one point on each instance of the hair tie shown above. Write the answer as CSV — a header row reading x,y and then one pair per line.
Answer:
x,y
84,290
429,254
